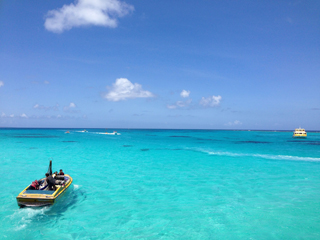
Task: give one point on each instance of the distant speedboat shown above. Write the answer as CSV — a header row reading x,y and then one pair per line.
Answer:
x,y
38,193
67,132
299,133
84,130
113,133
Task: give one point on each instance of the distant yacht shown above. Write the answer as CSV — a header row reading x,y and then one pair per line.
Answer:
x,y
299,133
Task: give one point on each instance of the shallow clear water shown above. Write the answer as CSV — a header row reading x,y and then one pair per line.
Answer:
x,y
164,184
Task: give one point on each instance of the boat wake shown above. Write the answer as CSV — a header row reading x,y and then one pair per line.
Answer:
x,y
25,216
264,156
106,133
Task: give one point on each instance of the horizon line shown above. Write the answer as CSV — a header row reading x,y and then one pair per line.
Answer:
x,y
202,129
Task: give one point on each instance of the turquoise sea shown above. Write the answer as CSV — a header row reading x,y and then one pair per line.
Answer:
x,y
164,184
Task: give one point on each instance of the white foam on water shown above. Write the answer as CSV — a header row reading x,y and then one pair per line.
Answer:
x,y
25,215
20,227
265,156
106,133
286,157
75,187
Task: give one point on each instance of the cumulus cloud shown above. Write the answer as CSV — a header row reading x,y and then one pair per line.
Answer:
x,y
72,105
23,115
85,13
185,93
123,89
69,108
1,83
212,101
181,104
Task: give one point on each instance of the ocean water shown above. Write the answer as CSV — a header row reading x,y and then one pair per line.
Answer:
x,y
164,184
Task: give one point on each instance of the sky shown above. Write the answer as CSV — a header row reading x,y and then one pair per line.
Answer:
x,y
180,64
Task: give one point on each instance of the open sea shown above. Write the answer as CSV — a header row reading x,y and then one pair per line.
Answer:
x,y
164,184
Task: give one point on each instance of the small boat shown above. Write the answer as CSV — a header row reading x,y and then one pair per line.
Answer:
x,y
299,133
67,132
84,130
113,133
43,196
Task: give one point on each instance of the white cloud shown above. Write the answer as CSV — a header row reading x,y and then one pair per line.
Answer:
x,y
87,12
68,108
180,104
23,115
1,83
123,89
185,93
172,106
212,101
72,105
46,82
235,123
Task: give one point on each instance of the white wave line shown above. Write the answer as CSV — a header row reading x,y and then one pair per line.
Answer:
x,y
265,156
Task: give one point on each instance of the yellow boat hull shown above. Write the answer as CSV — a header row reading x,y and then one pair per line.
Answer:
x,y
39,198
299,135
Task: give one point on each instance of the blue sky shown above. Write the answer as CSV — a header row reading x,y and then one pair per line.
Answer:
x,y
160,64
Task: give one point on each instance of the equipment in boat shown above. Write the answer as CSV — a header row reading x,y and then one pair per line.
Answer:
x,y
39,193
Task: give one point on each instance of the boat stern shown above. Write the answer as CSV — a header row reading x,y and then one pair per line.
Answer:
x,y
27,199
